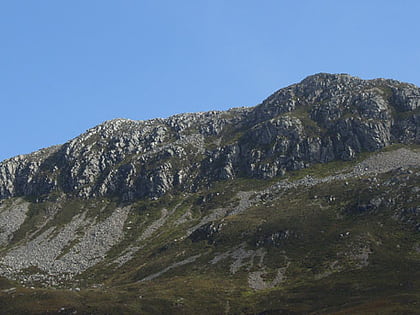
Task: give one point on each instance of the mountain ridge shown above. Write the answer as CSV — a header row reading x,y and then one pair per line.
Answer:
x,y
330,117
307,203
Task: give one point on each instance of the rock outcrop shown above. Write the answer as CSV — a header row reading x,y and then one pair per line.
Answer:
x,y
323,118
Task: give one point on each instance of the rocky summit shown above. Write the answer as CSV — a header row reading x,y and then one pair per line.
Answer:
x,y
306,203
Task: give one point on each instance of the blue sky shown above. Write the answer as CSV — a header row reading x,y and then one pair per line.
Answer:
x,y
66,66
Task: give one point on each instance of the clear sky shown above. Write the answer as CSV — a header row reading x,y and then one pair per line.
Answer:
x,y
66,66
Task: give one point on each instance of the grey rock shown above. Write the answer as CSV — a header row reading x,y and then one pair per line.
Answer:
x,y
323,118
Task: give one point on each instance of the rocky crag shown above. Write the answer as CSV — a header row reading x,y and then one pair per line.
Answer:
x,y
323,118
245,211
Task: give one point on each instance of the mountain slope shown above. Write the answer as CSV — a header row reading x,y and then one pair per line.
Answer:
x,y
308,202
323,118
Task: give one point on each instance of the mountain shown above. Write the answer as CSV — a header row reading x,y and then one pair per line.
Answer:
x,y
305,203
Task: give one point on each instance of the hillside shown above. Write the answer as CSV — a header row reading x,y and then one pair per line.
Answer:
x,y
305,203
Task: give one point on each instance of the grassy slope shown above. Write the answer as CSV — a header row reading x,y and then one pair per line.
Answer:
x,y
314,284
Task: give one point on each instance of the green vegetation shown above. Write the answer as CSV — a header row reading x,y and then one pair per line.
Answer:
x,y
346,247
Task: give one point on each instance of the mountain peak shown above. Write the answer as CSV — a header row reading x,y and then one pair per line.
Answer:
x,y
240,211
323,118
329,77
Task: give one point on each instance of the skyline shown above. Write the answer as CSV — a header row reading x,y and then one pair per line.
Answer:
x,y
68,67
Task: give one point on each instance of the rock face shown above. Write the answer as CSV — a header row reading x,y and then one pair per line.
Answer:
x,y
323,118
175,209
